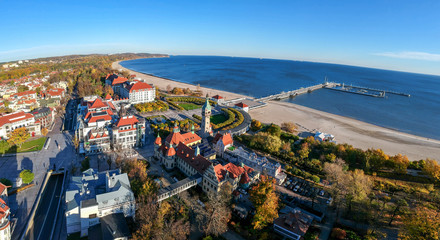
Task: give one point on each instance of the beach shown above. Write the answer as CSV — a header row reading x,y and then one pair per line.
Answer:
x,y
346,130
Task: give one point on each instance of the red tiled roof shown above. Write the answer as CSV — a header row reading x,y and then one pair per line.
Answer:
x,y
98,103
3,209
111,105
171,151
220,172
124,121
175,138
55,92
3,188
13,117
103,117
119,80
199,163
226,139
158,141
234,170
217,97
24,93
108,97
242,105
138,86
190,137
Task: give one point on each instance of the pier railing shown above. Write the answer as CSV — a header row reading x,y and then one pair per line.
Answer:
x,y
297,92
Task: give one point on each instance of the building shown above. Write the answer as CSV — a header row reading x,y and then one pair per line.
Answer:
x,y
110,227
54,93
182,151
221,142
26,95
242,106
10,122
116,82
240,156
293,225
95,195
128,132
4,192
324,137
206,128
45,116
138,92
218,99
5,223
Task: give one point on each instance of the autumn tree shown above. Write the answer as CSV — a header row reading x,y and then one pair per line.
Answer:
x,y
140,183
18,136
266,142
274,130
255,125
399,163
215,217
432,169
44,131
168,88
289,127
421,224
398,209
265,201
108,90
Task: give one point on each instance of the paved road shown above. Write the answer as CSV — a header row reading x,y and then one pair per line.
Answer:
x,y
44,219
39,162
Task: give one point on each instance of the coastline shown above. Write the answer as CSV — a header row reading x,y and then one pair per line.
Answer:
x,y
346,130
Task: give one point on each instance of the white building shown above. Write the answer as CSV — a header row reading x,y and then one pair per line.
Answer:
x,y
324,137
128,132
242,106
239,156
138,92
94,195
10,122
5,223
221,142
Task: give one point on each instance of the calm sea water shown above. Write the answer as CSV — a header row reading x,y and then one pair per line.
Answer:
x,y
418,114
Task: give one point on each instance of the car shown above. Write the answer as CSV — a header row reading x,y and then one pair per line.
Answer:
x,y
330,199
296,188
321,193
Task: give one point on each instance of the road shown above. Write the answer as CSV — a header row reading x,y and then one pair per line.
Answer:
x,y
45,214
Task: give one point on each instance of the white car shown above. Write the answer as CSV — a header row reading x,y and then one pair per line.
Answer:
x,y
330,199
321,193
296,188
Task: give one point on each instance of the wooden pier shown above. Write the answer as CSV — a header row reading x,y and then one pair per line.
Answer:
x,y
297,92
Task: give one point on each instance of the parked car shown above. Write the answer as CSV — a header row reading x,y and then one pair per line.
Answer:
x,y
330,199
321,193
296,188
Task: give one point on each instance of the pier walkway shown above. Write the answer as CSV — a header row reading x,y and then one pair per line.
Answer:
x,y
297,92
178,187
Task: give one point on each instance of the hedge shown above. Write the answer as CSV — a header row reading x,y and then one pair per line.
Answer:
x,y
190,100
238,122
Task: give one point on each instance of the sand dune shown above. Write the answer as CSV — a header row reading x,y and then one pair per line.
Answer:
x,y
346,130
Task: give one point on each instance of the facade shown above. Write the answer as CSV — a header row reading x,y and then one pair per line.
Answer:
x,y
95,195
206,119
242,106
45,116
5,223
219,99
128,132
138,92
221,142
240,156
293,225
10,122
26,95
116,82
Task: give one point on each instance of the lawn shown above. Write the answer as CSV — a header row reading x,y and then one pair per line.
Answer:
x,y
33,145
219,118
189,106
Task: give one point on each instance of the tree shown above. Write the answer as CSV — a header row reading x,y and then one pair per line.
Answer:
x,y
421,224
255,125
289,127
168,88
27,176
274,130
6,182
400,163
44,131
140,183
266,142
18,136
265,201
75,142
108,90
215,217
432,169
400,204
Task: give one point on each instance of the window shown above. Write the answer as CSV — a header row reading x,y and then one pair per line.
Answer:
x,y
92,215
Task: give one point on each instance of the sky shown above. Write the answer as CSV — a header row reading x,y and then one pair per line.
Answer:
x,y
388,34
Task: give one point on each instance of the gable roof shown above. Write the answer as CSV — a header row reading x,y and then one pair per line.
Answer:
x,y
241,105
138,86
217,97
199,163
225,138
14,117
119,80
97,103
127,120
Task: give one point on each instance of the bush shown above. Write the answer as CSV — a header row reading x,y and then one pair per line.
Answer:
x,y
5,181
338,233
27,176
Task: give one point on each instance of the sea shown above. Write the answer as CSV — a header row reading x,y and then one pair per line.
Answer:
x,y
256,77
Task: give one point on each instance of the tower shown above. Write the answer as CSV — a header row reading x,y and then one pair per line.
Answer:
x,y
206,119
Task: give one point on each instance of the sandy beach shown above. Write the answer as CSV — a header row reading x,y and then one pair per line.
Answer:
x,y
346,130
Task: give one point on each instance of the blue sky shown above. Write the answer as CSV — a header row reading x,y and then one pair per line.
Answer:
x,y
399,35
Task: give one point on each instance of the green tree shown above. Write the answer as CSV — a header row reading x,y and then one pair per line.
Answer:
x,y
27,176
274,130
6,182
85,164
18,136
265,201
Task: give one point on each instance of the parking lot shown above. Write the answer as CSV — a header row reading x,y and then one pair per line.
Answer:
x,y
296,190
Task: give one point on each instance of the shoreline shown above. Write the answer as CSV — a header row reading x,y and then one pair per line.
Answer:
x,y
346,130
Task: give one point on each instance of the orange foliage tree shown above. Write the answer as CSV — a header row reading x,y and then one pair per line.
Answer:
x,y
18,136
265,201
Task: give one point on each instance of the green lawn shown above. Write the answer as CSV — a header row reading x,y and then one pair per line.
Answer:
x,y
33,145
219,118
189,106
